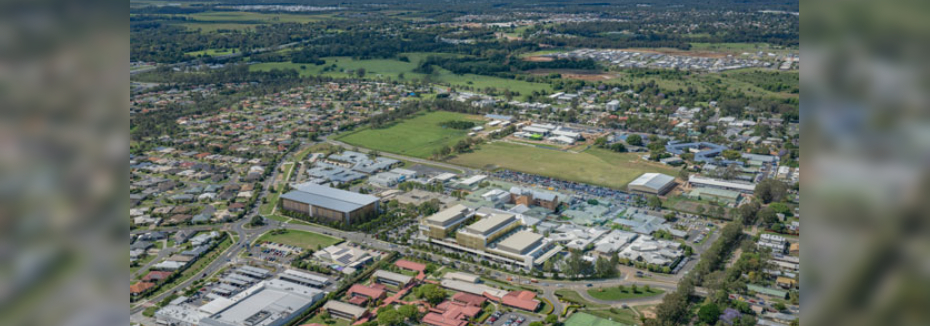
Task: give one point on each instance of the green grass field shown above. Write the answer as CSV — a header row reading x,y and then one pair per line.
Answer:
x,y
624,316
392,68
255,17
301,239
318,319
595,166
750,81
574,297
739,48
614,294
583,319
417,137
543,52
239,20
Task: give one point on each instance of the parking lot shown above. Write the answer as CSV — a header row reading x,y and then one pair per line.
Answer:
x,y
271,255
511,319
585,191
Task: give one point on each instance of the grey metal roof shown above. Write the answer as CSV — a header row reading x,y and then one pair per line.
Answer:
x,y
331,198
400,278
653,181
345,308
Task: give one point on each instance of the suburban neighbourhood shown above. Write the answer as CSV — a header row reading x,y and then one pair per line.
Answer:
x,y
462,164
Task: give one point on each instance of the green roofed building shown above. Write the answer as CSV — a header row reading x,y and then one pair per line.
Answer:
x,y
769,292
720,195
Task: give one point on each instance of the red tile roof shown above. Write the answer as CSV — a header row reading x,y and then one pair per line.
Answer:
x,y
435,319
525,300
409,265
469,299
140,287
366,291
358,300
156,276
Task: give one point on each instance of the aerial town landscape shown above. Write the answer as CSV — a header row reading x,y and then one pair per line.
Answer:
x,y
391,163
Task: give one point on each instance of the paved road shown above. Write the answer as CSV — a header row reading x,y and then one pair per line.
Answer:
x,y
162,254
248,236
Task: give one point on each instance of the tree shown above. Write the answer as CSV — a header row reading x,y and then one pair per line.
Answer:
x,y
780,306
360,72
781,208
432,293
552,319
747,212
600,142
684,174
548,266
618,147
635,140
731,155
770,190
575,265
655,203
389,317
410,312
605,268
709,313
257,221
768,215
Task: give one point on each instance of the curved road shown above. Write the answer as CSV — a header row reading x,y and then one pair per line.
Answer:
x,y
247,236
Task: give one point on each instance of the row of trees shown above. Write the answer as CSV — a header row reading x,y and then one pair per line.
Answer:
x,y
675,307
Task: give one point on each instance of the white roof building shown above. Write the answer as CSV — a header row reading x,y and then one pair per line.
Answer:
x,y
576,237
269,303
652,183
722,184
614,241
473,180
497,196
775,242
652,251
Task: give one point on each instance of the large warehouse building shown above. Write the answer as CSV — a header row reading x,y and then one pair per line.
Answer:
x,y
330,204
270,303
652,184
